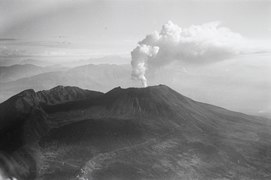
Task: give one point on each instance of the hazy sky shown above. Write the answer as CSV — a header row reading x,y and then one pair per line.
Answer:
x,y
90,28
69,30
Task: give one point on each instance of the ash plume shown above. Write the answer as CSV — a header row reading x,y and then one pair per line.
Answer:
x,y
140,55
196,45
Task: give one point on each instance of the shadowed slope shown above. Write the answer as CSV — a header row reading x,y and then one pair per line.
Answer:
x,y
140,133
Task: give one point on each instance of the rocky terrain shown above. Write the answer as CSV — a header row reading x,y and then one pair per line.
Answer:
x,y
134,133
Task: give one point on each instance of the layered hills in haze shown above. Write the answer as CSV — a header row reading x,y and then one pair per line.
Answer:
x,y
218,84
15,72
97,77
133,133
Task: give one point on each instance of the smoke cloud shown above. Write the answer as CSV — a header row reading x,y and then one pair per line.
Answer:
x,y
198,44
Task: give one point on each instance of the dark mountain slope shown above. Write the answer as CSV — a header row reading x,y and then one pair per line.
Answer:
x,y
213,142
144,133
23,113
17,107
63,94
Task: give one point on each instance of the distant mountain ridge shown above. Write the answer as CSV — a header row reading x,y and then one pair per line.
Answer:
x,y
133,133
96,77
14,72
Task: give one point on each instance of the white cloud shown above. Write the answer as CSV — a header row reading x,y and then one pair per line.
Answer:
x,y
198,44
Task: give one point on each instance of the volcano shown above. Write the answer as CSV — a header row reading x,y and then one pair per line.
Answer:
x,y
134,133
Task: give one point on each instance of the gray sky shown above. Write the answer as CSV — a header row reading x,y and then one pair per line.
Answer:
x,y
69,30
115,26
